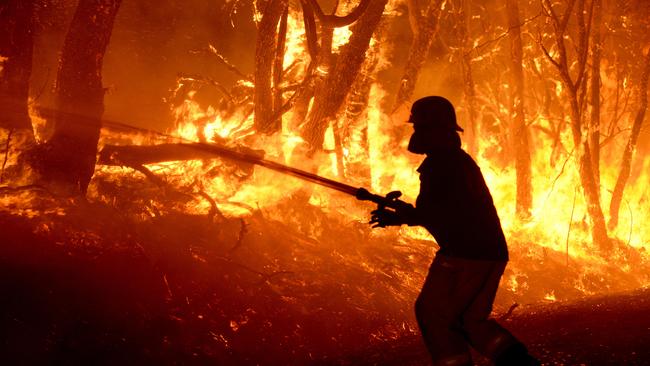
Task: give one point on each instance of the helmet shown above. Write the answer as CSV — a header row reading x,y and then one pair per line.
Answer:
x,y
434,110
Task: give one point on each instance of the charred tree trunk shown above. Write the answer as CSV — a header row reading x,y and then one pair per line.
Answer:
x,y
278,70
628,153
71,152
426,28
594,127
16,47
355,131
341,76
468,80
520,135
574,90
265,53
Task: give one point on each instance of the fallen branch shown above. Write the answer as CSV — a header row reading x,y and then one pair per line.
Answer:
x,y
240,238
214,209
509,312
232,68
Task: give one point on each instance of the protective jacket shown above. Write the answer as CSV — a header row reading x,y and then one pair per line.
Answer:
x,y
456,207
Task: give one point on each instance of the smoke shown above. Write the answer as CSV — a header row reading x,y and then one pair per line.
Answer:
x,y
151,43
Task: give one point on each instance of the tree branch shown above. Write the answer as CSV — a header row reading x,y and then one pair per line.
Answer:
x,y
335,21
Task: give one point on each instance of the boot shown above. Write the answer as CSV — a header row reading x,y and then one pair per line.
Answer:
x,y
516,355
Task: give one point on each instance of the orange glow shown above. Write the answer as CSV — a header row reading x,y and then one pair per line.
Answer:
x,y
557,225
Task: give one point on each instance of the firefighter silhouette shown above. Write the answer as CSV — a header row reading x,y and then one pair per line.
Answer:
x,y
455,206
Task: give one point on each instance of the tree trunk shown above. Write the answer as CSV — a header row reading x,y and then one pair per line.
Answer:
x,y
16,46
520,135
340,78
589,186
265,54
278,70
471,134
575,89
628,153
71,152
427,28
594,127
355,131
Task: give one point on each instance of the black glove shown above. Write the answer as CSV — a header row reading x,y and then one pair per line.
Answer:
x,y
383,217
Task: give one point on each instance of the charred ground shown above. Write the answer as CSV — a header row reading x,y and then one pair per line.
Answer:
x,y
92,283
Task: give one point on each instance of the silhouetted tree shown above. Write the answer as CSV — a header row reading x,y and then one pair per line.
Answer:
x,y
520,130
69,156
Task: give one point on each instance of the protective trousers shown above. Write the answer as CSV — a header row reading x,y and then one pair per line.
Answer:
x,y
453,310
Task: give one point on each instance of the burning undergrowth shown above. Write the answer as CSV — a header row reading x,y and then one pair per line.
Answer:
x,y
91,279
132,275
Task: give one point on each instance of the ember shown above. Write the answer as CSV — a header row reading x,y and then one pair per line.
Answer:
x,y
126,226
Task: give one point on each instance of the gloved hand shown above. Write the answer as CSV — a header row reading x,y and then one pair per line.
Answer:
x,y
383,217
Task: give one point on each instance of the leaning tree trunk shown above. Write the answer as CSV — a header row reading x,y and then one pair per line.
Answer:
x,y
266,48
16,46
340,78
520,135
426,27
71,152
278,70
594,127
471,136
628,153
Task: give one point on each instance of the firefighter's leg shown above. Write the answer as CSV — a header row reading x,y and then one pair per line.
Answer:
x,y
438,315
484,333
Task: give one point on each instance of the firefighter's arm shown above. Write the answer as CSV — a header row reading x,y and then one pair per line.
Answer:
x,y
383,216
390,210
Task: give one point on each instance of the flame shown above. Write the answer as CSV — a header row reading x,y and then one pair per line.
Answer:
x,y
550,296
557,231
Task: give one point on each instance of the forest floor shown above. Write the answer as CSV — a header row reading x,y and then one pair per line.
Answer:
x,y
97,284
602,330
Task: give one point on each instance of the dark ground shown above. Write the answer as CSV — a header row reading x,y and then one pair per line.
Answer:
x,y
603,330
89,285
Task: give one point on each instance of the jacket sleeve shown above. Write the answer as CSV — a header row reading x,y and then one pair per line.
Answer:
x,y
429,199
